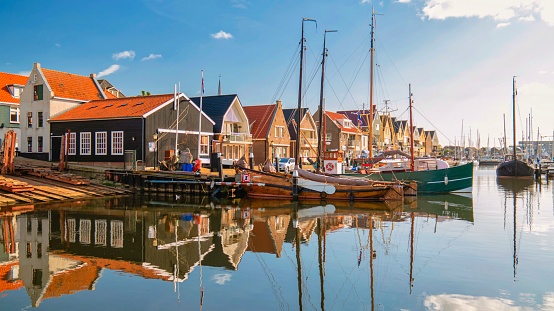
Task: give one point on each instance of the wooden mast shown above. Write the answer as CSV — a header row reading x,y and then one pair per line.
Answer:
x,y
370,124
514,116
299,111
321,140
411,130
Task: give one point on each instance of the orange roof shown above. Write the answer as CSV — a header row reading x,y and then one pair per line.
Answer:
x,y
9,79
72,86
339,116
72,281
5,284
260,118
118,265
115,108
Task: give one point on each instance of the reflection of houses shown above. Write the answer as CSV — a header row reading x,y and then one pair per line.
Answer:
x,y
234,234
231,129
308,132
38,269
269,234
270,135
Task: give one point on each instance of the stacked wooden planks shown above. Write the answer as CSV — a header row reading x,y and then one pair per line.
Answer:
x,y
59,176
50,190
12,185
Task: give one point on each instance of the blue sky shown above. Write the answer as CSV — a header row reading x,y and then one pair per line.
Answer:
x,y
459,55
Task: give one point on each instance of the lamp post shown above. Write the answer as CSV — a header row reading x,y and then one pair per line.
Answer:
x,y
156,151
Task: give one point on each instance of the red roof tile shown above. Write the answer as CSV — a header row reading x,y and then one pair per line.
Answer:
x,y
72,281
260,118
115,108
9,79
338,116
71,86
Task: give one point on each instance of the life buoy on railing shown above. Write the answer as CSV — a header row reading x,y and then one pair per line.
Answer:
x,y
329,166
323,195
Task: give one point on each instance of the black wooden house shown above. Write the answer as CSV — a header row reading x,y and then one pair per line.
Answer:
x,y
111,132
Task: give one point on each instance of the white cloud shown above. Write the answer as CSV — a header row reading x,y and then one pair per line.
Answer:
x,y
465,302
529,18
222,278
124,54
222,35
109,71
151,56
365,1
24,73
499,10
242,4
542,72
57,45
502,25
404,1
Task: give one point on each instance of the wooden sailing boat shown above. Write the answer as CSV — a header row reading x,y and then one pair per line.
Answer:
x,y
512,167
304,185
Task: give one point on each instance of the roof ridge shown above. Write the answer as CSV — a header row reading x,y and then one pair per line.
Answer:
x,y
65,72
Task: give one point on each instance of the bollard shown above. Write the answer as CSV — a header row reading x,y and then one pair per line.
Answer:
x,y
251,160
220,166
295,185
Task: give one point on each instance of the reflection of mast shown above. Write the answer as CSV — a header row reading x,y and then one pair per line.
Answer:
x,y
200,263
411,253
298,261
320,235
515,232
371,260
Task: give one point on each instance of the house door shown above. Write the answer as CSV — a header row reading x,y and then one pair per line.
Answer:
x,y
55,148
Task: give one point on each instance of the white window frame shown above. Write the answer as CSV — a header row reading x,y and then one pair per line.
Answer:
x,y
16,112
85,143
116,234
100,232
72,144
116,149
101,143
205,146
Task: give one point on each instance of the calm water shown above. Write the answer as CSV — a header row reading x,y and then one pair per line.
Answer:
x,y
446,252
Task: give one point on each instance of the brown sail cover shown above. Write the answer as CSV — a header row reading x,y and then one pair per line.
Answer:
x,y
334,180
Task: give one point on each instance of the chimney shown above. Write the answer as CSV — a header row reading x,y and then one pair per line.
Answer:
x,y
278,103
93,75
36,65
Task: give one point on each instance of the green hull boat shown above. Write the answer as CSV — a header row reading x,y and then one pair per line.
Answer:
x,y
452,179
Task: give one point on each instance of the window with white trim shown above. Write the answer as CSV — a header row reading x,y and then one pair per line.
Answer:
x,y
14,115
100,232
101,143
85,143
84,231
71,144
116,234
117,143
204,144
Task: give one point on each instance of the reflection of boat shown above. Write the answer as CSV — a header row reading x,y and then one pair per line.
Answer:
x,y
448,205
512,166
515,185
488,160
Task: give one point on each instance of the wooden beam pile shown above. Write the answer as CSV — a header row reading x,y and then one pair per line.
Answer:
x,y
12,185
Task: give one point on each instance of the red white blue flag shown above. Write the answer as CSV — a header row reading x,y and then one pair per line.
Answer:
x,y
202,82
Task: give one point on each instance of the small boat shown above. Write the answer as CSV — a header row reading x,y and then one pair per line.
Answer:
x,y
488,160
513,166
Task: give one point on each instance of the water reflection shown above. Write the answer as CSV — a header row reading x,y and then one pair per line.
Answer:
x,y
57,250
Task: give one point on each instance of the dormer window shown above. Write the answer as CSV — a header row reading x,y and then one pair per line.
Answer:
x,y
15,90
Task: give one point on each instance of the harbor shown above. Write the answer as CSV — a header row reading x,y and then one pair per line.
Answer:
x,y
247,155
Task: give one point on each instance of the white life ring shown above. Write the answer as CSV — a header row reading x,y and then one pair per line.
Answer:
x,y
329,166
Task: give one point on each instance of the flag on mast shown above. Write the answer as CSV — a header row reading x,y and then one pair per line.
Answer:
x,y
359,119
